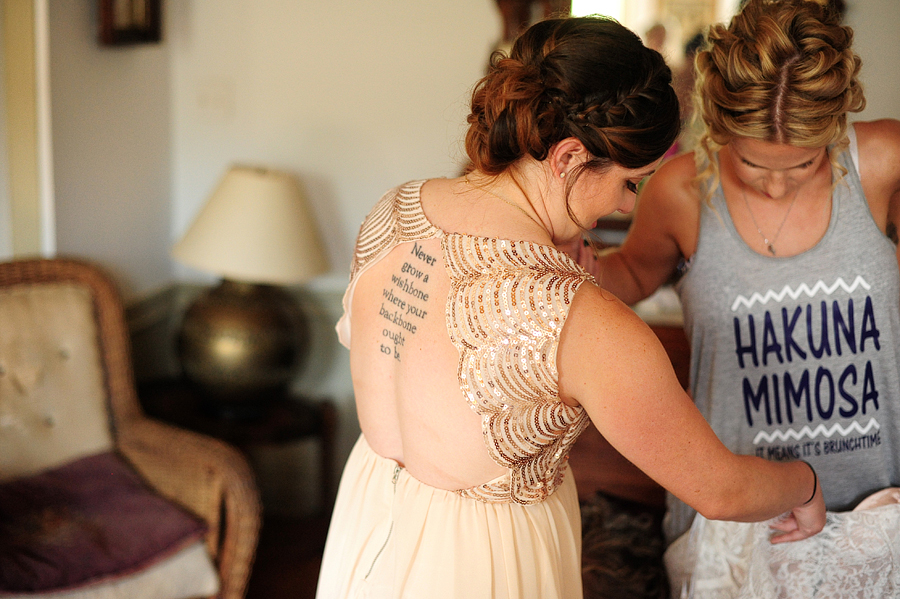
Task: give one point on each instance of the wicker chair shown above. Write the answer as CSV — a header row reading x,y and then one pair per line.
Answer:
x,y
207,477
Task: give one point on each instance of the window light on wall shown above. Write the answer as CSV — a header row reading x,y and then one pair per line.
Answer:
x,y
610,8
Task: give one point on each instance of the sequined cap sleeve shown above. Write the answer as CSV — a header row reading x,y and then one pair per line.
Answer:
x,y
507,306
396,218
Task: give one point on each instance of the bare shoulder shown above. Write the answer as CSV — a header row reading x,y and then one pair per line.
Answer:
x,y
667,218
440,190
447,203
604,345
677,177
597,310
879,154
878,131
879,147
671,194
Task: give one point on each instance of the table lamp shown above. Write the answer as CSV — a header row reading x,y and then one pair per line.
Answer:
x,y
244,339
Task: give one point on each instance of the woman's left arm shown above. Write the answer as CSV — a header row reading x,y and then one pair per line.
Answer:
x,y
879,171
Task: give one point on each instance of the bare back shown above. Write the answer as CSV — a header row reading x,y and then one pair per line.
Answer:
x,y
438,350
404,371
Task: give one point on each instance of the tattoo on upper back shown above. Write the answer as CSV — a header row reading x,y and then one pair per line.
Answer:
x,y
405,300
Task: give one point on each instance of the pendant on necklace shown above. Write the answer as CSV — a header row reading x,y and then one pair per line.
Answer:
x,y
770,245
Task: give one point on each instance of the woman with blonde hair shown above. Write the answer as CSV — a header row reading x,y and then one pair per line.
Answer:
x,y
784,224
478,350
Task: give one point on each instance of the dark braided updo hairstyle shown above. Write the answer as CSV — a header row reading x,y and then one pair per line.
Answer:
x,y
589,78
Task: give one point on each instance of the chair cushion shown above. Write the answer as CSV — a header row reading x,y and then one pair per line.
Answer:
x,y
53,396
90,520
188,574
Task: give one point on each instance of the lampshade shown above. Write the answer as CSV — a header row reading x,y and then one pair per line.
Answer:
x,y
256,227
242,342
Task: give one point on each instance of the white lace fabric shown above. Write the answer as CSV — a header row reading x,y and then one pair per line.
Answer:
x,y
856,556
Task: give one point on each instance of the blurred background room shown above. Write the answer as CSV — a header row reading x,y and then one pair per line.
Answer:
x,y
109,151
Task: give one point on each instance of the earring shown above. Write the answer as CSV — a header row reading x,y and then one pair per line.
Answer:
x,y
562,174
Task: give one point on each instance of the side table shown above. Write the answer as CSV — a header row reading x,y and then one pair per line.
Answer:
x,y
281,418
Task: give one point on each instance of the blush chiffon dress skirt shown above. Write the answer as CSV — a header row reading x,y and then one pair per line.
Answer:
x,y
394,536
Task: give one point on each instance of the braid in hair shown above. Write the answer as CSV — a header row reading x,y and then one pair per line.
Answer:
x,y
589,78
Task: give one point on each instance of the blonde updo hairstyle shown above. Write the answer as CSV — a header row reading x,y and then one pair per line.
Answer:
x,y
589,78
782,71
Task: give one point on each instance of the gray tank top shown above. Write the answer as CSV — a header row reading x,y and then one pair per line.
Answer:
x,y
796,358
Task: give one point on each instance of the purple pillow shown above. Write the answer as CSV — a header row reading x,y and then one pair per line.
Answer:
x,y
85,522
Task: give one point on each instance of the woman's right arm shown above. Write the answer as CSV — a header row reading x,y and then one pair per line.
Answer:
x,y
666,220
613,365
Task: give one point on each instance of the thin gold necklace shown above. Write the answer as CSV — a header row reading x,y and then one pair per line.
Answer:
x,y
770,245
502,199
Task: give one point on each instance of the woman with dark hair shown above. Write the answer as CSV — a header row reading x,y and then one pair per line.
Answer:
x,y
478,350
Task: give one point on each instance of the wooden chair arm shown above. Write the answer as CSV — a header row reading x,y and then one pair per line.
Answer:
x,y
211,479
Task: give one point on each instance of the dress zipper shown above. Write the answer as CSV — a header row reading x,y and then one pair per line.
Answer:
x,y
391,527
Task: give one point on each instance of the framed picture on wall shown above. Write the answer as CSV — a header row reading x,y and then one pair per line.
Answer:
x,y
125,22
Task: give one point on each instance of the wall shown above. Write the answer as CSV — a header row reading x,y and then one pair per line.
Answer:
x,y
111,150
28,172
353,97
875,24
6,246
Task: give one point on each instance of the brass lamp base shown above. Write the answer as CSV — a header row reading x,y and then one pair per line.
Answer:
x,y
241,343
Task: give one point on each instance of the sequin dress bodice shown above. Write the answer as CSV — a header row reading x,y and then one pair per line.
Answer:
x,y
507,305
